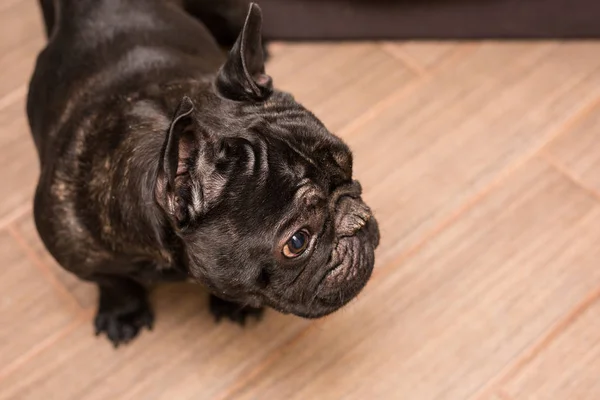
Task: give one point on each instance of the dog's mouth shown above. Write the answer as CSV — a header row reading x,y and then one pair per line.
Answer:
x,y
352,265
340,274
346,274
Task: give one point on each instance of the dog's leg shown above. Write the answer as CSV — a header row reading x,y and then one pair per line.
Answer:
x,y
49,15
235,312
123,308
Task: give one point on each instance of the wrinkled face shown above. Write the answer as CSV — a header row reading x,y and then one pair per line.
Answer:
x,y
262,195
289,228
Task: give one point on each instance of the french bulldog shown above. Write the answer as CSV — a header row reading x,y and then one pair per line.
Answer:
x,y
165,158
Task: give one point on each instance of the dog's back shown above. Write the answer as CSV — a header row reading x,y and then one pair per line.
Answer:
x,y
110,46
100,98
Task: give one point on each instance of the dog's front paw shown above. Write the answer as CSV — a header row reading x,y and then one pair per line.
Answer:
x,y
220,309
123,323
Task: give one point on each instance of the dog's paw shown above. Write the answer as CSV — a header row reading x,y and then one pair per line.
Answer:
x,y
123,323
220,309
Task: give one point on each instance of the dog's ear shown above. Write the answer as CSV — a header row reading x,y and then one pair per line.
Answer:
x,y
243,77
176,148
188,183
173,177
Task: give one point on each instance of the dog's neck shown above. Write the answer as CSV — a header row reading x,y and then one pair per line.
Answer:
x,y
132,172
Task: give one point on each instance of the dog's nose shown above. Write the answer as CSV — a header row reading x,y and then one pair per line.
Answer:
x,y
351,215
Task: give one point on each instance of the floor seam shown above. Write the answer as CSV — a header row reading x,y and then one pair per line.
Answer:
x,y
526,356
496,382
79,319
457,54
232,392
351,128
503,395
36,350
462,50
13,96
569,175
15,215
404,58
575,119
33,257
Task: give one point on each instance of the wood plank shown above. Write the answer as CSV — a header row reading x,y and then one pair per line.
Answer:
x,y
432,149
449,319
338,81
187,355
578,150
428,55
21,22
439,326
84,292
19,167
22,38
30,309
568,368
21,31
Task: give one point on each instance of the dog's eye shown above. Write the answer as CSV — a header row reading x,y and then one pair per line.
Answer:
x,y
296,245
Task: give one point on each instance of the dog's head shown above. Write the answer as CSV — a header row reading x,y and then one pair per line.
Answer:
x,y
262,194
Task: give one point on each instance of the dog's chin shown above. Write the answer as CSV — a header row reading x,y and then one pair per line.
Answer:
x,y
340,286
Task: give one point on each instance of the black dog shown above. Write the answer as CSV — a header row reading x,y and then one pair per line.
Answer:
x,y
164,159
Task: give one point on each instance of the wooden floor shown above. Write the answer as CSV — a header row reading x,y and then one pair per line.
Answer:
x,y
482,162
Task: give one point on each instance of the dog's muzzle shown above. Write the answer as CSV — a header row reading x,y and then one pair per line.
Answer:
x,y
353,256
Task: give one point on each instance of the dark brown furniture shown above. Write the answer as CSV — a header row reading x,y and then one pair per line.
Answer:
x,y
430,19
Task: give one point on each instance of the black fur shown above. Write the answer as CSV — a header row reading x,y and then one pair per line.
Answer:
x,y
162,158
